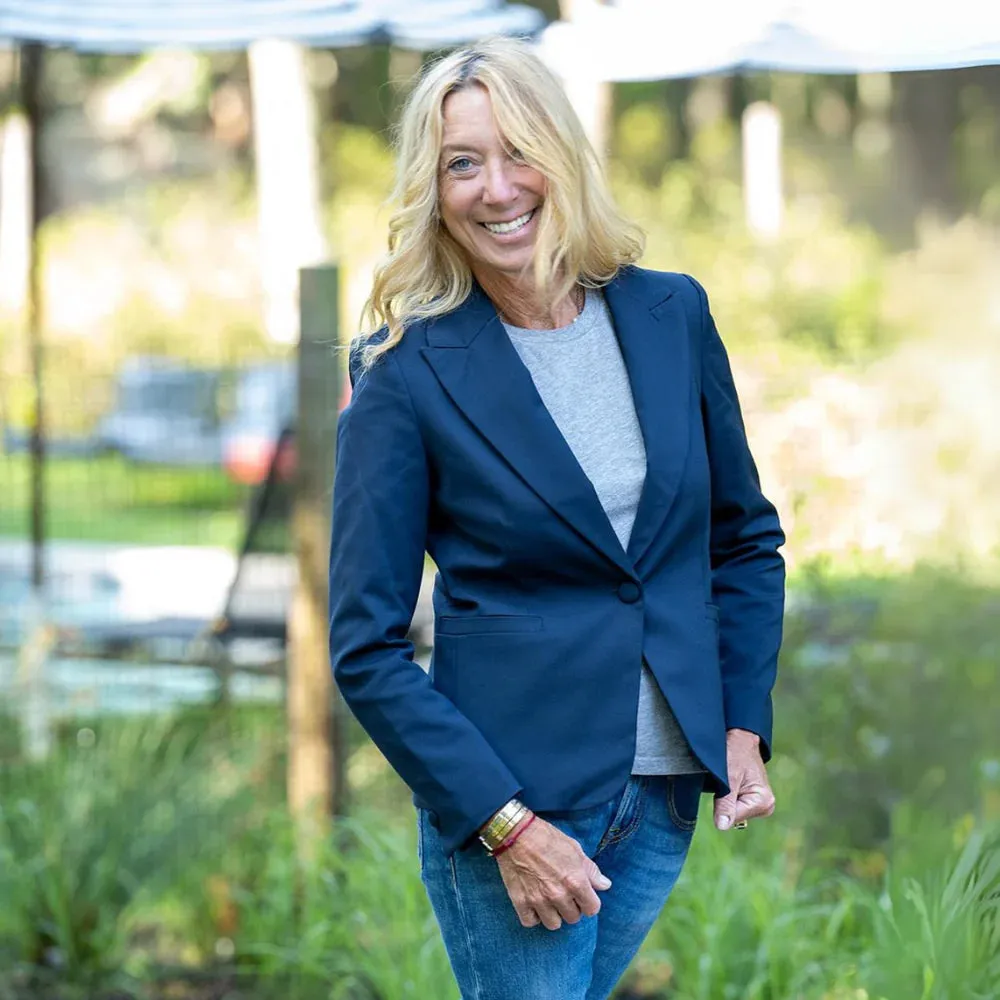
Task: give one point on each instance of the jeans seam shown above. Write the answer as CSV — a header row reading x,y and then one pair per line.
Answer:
x,y
467,932
687,825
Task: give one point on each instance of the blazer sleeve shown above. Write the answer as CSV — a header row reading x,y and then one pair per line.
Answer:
x,y
748,573
381,501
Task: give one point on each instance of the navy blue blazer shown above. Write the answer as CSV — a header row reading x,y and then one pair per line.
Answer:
x,y
542,619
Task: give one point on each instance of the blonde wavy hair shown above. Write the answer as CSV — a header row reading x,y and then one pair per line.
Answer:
x,y
582,237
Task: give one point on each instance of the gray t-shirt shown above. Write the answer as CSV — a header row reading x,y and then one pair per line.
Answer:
x,y
579,373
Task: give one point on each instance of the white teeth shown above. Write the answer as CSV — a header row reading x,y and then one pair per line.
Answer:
x,y
509,227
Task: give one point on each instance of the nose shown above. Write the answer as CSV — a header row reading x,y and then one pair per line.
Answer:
x,y
498,185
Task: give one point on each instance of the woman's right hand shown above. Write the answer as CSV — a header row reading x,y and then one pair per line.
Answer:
x,y
549,879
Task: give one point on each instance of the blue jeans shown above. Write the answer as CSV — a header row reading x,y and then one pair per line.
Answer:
x,y
639,840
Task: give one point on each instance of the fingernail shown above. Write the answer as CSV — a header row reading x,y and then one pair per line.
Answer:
x,y
605,882
724,823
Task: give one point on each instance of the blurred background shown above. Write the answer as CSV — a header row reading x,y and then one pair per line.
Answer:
x,y
191,203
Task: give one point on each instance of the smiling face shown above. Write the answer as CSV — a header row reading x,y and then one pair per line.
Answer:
x,y
490,201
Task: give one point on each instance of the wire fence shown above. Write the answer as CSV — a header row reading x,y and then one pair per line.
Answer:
x,y
169,571
156,481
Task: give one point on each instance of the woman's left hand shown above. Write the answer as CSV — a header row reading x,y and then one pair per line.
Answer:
x,y
750,792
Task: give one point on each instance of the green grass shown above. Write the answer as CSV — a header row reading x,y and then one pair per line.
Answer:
x,y
106,499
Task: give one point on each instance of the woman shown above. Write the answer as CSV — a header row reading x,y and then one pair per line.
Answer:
x,y
559,429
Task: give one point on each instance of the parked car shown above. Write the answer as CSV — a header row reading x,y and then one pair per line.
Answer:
x,y
18,440
265,405
164,411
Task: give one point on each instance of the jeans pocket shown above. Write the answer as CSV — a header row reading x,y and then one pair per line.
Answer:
x,y
683,797
628,813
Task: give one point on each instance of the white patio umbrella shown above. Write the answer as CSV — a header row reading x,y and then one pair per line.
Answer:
x,y
654,40
140,25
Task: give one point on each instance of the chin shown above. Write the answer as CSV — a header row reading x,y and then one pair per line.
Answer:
x,y
509,264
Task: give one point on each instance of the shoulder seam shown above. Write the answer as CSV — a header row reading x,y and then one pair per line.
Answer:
x,y
702,300
390,357
703,309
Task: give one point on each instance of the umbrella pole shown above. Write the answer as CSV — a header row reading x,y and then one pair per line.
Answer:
x,y
38,634
31,64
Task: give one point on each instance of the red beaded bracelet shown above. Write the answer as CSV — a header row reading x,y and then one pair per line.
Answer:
x,y
509,842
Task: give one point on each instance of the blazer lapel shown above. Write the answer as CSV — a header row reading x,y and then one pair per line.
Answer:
x,y
652,331
478,367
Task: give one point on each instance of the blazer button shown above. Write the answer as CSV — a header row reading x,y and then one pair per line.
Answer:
x,y
629,592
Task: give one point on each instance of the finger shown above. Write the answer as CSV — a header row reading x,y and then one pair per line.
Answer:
x,y
568,909
563,899
528,917
587,900
549,916
597,878
755,802
583,896
725,811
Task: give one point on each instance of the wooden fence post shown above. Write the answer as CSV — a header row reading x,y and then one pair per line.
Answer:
x,y
315,760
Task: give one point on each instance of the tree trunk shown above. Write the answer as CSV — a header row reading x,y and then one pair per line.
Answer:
x,y
288,200
763,189
925,116
591,99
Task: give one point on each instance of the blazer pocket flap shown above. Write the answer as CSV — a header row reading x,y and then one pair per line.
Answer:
x,y
486,624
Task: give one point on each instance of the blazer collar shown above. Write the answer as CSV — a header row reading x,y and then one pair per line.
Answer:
x,y
461,326
656,345
480,370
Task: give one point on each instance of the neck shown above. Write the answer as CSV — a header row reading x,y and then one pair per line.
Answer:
x,y
519,304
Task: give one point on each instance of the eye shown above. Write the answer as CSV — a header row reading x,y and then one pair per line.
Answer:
x,y
515,154
460,165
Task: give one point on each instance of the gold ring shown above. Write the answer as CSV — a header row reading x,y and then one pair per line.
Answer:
x,y
741,825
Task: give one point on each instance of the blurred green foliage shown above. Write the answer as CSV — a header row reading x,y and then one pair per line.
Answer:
x,y
817,288
887,705
756,921
164,844
877,877
171,251
86,832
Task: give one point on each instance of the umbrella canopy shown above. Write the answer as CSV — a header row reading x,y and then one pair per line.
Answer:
x,y
139,25
655,40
